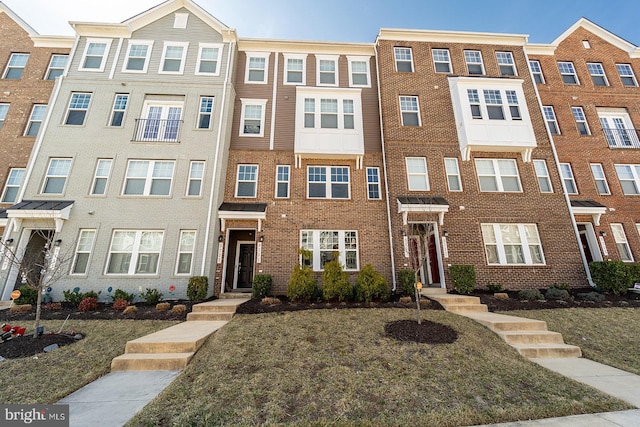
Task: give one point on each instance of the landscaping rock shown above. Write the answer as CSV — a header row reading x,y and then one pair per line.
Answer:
x,y
501,295
50,348
78,337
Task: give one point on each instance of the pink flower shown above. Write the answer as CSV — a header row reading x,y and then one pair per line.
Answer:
x,y
172,288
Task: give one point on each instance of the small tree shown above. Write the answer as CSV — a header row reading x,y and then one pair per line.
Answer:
x,y
335,282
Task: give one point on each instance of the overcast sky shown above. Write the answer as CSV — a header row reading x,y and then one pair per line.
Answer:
x,y
356,20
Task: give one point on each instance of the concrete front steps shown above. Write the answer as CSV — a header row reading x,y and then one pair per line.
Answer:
x,y
220,309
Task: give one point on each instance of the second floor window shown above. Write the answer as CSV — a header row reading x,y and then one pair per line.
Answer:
x,y
247,181
567,179
542,173
600,179
373,183
196,176
56,177
550,119
629,177
328,182
498,175
417,175
282,181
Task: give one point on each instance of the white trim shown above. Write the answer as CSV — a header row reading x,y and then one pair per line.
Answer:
x,y
201,179
47,176
105,56
288,182
255,181
407,208
202,46
595,212
328,182
145,66
245,102
592,242
96,177
263,55
547,177
424,175
336,75
179,252
303,57
350,60
148,178
163,58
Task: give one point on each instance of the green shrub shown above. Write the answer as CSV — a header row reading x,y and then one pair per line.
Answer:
x,y
371,285
120,294
591,296
197,288
335,282
75,297
530,294
88,304
557,294
28,295
406,282
261,285
302,286
612,276
634,273
562,286
494,287
463,278
151,296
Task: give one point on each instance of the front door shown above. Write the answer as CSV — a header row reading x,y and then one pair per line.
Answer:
x,y
424,254
244,265
588,242
30,265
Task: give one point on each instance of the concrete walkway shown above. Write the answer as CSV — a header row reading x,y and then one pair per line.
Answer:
x,y
604,419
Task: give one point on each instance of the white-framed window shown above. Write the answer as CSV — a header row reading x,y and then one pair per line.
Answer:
x,y
498,175
162,121
417,174
173,57
328,113
373,184
295,69
95,55
568,73
186,248
550,119
56,177
473,59
84,247
134,252
454,181
148,178
506,63
441,60
335,113
12,186
196,177
137,58
568,181
78,107
101,177
16,65
512,244
252,117
474,103
56,66
581,120
35,120
600,179
410,111
597,74
622,244
629,177
404,59
542,174
257,69
325,244
206,110
328,182
209,59
514,107
247,181
626,75
283,177
618,128
493,102
180,20
4,109
359,74
327,70
119,108
536,71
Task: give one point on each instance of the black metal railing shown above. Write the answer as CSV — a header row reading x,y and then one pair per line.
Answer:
x,y
622,138
156,130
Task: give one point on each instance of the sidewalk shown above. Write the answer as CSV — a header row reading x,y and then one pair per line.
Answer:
x,y
605,419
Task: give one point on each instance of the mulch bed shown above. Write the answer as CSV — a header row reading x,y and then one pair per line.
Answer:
x,y
28,346
426,332
255,306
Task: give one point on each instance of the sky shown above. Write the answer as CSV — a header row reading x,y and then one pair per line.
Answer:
x,y
355,20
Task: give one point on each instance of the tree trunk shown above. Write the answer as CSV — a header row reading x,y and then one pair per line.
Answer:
x,y
38,308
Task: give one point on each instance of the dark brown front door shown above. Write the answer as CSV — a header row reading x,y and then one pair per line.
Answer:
x,y
245,265
585,243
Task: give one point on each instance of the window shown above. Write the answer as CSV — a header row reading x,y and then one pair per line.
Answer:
x,y
16,65
629,176
441,60
173,56
328,182
295,69
404,59
506,63
323,246
56,66
282,181
208,59
600,179
508,244
373,183
252,117
327,67
618,128
473,58
626,75
339,113
536,71
161,122
417,176
309,112
35,120
542,173
474,103
568,73
621,242
180,20
453,174
247,181
348,113
12,186
134,252
409,111
137,59
119,108
358,71
597,74
83,251
196,175
581,120
514,109
493,101
550,119
101,177
185,251
148,178
77,111
206,109
4,109
95,52
329,113
257,65
56,177
498,175
567,179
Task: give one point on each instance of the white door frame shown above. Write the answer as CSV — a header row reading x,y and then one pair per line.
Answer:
x,y
236,264
436,235
589,232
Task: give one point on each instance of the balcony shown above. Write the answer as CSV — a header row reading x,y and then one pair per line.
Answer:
x,y
622,138
157,130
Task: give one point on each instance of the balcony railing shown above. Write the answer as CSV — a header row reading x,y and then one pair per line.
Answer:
x,y
622,138
156,130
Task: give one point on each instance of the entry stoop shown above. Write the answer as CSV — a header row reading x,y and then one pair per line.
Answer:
x,y
220,309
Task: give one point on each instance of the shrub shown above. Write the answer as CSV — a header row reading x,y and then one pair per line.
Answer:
x,y
302,286
463,278
197,288
557,294
120,304
530,294
28,295
120,294
561,286
406,282
494,287
88,304
371,285
611,276
335,282
163,306
591,296
179,309
151,296
75,297
261,285
130,310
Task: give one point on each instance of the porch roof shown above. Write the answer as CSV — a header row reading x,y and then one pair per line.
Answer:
x,y
250,211
425,204
3,218
588,207
56,210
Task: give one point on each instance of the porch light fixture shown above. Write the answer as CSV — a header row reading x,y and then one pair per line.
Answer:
x,y
445,233
220,238
8,241
403,232
57,242
603,233
262,238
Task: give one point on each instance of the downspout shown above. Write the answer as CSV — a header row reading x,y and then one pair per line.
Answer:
x,y
386,175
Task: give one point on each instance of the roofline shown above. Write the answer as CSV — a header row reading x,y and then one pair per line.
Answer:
x,y
305,46
28,28
451,36
65,42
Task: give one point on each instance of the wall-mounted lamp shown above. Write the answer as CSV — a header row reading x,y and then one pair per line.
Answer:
x,y
603,233
57,242
445,233
8,241
404,233
262,238
220,238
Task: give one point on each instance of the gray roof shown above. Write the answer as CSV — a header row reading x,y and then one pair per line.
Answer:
x,y
3,213
243,207
423,200
586,204
41,205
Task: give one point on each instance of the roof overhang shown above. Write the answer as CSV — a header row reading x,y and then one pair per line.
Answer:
x,y
242,211
588,207
397,34
419,204
56,210
3,218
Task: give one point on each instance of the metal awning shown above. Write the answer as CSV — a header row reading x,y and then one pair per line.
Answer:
x,y
424,204
247,211
588,207
55,210
3,218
